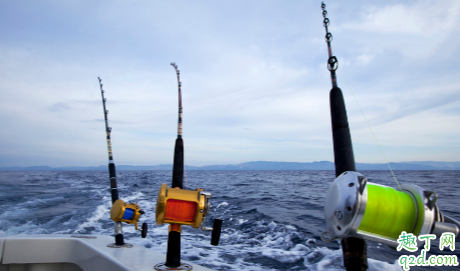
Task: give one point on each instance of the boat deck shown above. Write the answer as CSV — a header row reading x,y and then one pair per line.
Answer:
x,y
62,252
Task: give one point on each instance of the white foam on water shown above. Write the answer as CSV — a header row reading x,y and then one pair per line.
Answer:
x,y
242,221
222,204
102,214
238,251
101,211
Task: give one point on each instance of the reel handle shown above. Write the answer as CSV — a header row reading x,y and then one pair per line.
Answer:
x,y
144,230
216,231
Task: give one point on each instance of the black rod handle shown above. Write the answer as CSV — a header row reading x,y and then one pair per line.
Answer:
x,y
343,148
354,249
113,182
173,253
178,166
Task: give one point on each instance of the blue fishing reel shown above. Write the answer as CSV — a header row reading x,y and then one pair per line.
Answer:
x,y
128,213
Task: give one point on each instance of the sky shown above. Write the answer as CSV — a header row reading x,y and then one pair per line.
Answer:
x,y
255,83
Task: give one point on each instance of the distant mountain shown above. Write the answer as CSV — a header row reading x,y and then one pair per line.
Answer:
x,y
450,165
266,165
326,165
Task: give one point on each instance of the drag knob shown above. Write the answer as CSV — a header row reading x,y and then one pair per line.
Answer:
x,y
216,230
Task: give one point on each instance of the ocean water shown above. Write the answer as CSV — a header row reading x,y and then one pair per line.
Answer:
x,y
272,220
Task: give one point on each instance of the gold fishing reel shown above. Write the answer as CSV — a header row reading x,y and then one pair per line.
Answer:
x,y
182,207
179,207
128,213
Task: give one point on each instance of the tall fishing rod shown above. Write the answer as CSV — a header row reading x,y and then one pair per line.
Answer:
x,y
119,239
174,242
357,210
178,166
108,130
354,249
120,212
178,206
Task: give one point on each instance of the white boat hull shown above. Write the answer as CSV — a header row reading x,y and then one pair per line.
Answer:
x,y
53,252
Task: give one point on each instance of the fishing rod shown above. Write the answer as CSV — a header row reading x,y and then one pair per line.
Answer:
x,y
179,207
121,211
108,130
178,166
357,210
354,250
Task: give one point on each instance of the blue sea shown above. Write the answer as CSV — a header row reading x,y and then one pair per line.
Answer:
x,y
272,220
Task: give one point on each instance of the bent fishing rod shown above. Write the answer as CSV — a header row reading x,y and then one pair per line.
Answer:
x,y
108,130
121,211
354,249
178,165
179,207
357,210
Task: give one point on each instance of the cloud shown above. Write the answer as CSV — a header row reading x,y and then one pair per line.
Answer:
x,y
255,83
419,18
59,106
416,30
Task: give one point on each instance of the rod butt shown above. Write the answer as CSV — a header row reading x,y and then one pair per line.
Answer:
x,y
354,253
119,239
173,253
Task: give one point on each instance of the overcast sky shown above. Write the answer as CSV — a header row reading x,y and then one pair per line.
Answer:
x,y
254,76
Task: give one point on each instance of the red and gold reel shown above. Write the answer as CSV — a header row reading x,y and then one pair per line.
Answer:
x,y
181,207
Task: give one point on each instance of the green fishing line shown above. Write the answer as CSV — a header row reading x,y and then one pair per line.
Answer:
x,y
372,132
388,211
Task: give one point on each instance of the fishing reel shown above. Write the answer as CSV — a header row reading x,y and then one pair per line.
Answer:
x,y
357,208
186,207
128,213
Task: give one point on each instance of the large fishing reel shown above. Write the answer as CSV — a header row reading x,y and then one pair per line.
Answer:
x,y
357,208
128,213
186,207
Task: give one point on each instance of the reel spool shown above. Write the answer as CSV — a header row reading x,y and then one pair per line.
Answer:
x,y
357,208
185,207
128,213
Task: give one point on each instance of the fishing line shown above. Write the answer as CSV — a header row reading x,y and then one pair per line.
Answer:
x,y
372,132
388,212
